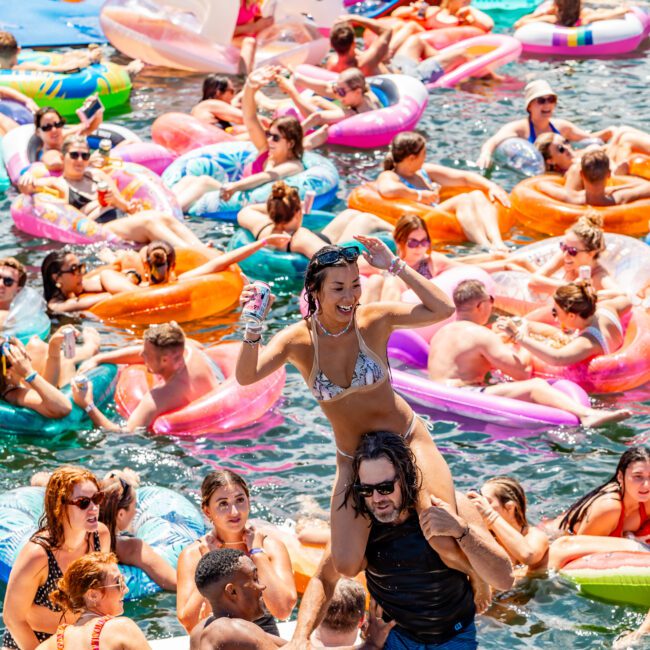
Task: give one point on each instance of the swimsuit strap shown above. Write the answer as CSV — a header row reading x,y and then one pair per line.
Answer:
x,y
593,331
60,643
262,229
97,630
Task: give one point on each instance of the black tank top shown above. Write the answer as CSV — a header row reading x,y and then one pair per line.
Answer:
x,y
430,602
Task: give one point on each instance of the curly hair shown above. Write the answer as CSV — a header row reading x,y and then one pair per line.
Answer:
x,y
215,566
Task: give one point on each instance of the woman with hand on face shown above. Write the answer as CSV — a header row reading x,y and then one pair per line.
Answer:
x,y
225,501
92,590
70,529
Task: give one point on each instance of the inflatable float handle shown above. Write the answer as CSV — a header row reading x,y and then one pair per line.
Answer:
x,y
217,18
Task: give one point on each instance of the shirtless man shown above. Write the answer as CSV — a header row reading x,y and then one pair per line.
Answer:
x,y
463,352
186,372
12,280
595,172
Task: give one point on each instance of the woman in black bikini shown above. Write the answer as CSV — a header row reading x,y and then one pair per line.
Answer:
x,y
71,529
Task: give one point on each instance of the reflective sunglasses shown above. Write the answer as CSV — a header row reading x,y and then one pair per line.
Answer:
x,y
550,99
75,268
348,253
7,281
84,502
121,583
384,488
75,155
274,137
571,250
55,125
417,243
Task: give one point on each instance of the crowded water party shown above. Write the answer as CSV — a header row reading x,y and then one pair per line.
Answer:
x,y
287,286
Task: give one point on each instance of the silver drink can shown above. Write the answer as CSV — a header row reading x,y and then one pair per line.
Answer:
x,y
69,343
255,309
584,272
308,201
81,382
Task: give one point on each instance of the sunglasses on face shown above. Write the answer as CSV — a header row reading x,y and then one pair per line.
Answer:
x,y
554,312
74,268
551,99
121,584
340,91
7,281
75,155
571,250
84,502
417,243
348,253
384,488
562,149
55,125
274,137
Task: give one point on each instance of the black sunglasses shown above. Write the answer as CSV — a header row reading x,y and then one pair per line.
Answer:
x,y
84,502
551,99
55,125
348,253
571,250
7,281
75,155
75,268
275,137
554,312
366,489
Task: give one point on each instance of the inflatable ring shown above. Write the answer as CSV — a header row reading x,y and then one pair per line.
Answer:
x,y
640,165
164,519
181,132
619,577
226,162
229,406
439,39
441,225
403,101
67,92
5,183
24,421
521,156
27,316
16,111
540,212
601,38
375,9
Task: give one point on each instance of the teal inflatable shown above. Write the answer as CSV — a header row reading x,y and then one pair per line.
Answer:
x,y
226,162
24,421
4,177
164,519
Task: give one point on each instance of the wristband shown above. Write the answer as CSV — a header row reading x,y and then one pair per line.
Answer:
x,y
419,199
31,376
396,266
465,532
521,332
89,407
255,551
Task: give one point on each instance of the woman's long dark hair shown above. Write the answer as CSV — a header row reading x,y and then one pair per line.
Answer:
x,y
576,513
214,86
118,495
51,265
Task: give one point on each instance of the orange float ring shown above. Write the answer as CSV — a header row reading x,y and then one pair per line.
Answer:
x,y
640,165
540,212
442,225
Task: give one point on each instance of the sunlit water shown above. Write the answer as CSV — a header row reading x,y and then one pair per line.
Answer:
x,y
291,454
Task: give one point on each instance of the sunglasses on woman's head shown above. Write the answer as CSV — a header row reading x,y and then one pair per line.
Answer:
x,y
84,502
275,137
562,149
348,253
551,99
7,281
417,243
75,155
571,250
75,268
55,125
384,488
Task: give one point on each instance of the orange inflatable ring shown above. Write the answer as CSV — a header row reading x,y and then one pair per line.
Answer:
x,y
640,165
540,212
183,301
441,225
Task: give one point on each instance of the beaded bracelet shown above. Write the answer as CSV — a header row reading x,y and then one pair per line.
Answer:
x,y
253,333
396,266
255,551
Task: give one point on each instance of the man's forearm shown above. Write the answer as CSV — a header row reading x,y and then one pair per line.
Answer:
x,y
490,561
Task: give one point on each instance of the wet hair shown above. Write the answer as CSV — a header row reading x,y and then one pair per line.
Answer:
x,y
166,336
218,479
405,225
118,495
347,606
469,291
578,510
392,447
595,165
13,263
8,45
577,298
508,489
353,78
158,253
216,566
315,277
42,112
283,203
88,572
291,129
57,492
342,37
589,229
74,141
51,266
543,145
568,12
404,144
215,85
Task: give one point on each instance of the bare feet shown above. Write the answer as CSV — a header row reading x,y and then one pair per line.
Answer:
x,y
598,418
318,138
134,67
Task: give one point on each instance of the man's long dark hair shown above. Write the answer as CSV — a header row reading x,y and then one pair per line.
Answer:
x,y
393,447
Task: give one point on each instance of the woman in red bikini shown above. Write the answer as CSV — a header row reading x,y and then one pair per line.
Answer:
x,y
93,589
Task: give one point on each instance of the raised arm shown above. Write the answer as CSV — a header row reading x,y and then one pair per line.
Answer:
x,y
256,131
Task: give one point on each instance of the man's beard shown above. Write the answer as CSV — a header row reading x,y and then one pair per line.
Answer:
x,y
387,516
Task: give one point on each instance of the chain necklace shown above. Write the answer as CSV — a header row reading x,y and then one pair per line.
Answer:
x,y
328,333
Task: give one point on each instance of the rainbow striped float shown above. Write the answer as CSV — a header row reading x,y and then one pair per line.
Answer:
x,y
602,38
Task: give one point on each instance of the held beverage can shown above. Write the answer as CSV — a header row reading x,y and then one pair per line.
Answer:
x,y
584,272
255,309
69,343
308,201
102,189
81,382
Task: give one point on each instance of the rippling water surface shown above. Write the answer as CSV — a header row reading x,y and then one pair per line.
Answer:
x,y
292,454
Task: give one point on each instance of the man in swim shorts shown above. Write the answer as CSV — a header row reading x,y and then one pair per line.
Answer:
x,y
228,580
463,353
186,373
430,604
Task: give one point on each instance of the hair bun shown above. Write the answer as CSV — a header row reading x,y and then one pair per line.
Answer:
x,y
593,219
158,257
279,190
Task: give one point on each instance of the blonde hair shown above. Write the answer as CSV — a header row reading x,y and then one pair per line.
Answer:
x,y
589,229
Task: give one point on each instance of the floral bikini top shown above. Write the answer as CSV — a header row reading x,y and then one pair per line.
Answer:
x,y
369,370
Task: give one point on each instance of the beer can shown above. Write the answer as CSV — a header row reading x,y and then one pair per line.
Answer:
x,y
69,342
81,382
584,272
102,189
255,309
105,147
308,201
